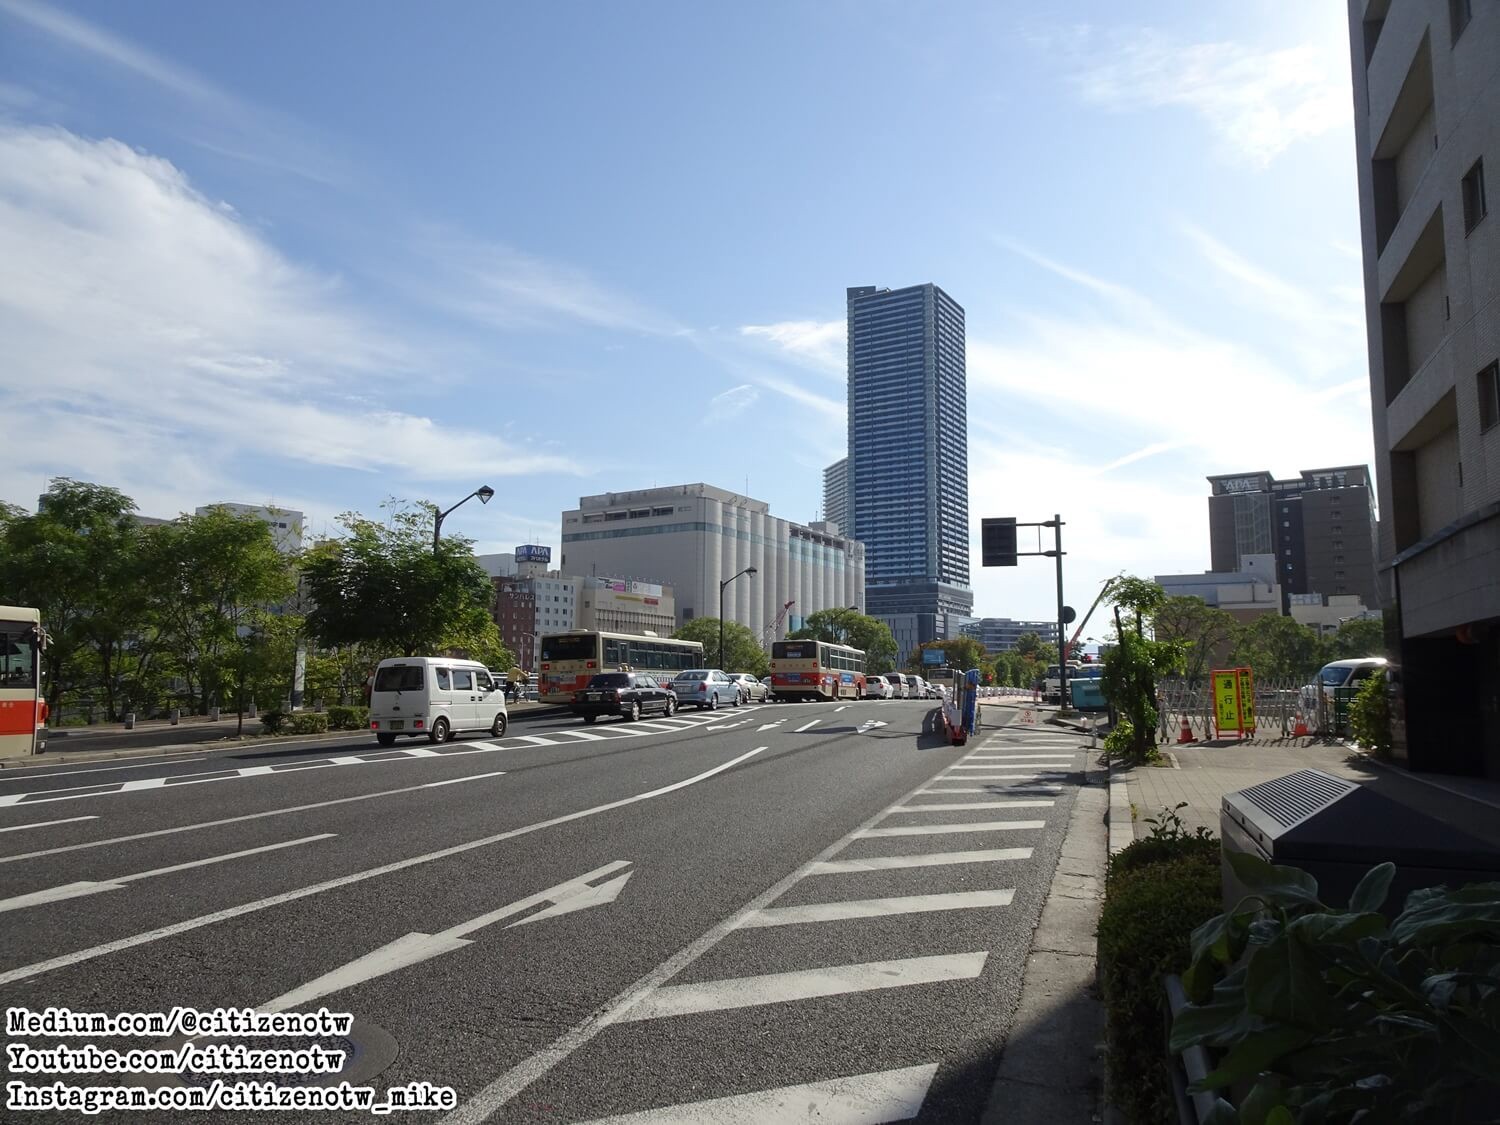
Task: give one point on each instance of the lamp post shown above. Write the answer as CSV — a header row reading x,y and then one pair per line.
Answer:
x,y
722,586
485,494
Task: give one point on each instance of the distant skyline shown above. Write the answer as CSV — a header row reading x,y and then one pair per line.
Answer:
x,y
322,255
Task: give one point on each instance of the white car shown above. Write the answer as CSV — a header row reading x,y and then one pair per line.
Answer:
x,y
898,684
434,696
878,687
751,689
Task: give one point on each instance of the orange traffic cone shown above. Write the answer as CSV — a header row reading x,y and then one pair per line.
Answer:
x,y
1186,734
1300,729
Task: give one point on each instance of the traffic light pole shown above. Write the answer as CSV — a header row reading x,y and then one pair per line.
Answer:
x,y
1063,699
1000,549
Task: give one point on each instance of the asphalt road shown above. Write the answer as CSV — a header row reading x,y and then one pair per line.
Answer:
x,y
728,916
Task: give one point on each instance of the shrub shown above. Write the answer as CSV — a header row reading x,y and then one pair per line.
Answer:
x,y
1343,1015
1169,840
1370,716
272,721
1159,889
305,722
348,718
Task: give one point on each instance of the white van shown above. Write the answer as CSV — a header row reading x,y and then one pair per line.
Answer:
x,y
435,696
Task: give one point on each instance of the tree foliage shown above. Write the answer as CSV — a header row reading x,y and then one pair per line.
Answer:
x,y
1207,633
1276,647
1357,637
1134,664
742,651
850,627
962,653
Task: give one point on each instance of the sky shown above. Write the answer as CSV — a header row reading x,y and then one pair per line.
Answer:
x,y
325,255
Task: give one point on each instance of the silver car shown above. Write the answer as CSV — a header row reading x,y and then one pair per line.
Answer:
x,y
705,687
751,689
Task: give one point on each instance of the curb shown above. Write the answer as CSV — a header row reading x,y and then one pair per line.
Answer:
x,y
1121,826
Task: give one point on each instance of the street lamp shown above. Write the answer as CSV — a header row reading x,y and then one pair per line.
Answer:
x,y
722,585
485,494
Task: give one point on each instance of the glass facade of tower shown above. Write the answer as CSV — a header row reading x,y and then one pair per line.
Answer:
x,y
908,457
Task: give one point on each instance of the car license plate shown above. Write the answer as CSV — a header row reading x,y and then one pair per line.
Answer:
x,y
396,724
591,695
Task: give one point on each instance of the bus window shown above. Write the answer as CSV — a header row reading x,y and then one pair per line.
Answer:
x,y
17,657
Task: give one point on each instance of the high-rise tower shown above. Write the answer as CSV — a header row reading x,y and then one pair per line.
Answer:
x,y
909,459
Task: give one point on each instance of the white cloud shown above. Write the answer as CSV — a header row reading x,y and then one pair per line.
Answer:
x,y
734,401
142,320
1259,101
819,344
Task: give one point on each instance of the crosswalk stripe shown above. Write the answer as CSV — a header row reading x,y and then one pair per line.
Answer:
x,y
940,829
808,984
926,859
534,739
1046,767
1039,789
861,1099
1019,758
976,805
876,908
1018,775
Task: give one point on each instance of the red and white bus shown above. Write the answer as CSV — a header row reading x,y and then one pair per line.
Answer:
x,y
816,670
23,711
570,660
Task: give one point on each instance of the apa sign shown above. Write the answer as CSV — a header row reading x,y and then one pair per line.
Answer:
x,y
531,552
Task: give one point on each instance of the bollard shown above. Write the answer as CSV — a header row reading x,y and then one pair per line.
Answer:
x,y
213,714
1093,733
174,716
252,708
130,720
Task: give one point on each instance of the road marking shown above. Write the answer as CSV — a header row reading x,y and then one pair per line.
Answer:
x,y
861,1099
585,735
33,773
46,823
1034,775
1043,767
807,726
533,739
926,859
25,972
876,908
1019,758
461,780
412,949
871,724
837,709
940,829
975,805
807,984
1039,789
770,726
78,890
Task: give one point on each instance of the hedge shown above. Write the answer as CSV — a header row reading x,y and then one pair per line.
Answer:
x,y
1159,890
348,718
299,722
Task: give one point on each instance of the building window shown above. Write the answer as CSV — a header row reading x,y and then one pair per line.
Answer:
x,y
1489,397
1474,204
1460,12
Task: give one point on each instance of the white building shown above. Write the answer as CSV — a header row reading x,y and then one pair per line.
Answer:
x,y
1247,593
286,525
693,536
1327,614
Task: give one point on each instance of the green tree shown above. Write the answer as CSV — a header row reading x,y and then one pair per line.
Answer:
x,y
1207,633
742,651
1133,665
1031,648
383,587
1278,648
1357,637
213,577
79,561
850,627
962,653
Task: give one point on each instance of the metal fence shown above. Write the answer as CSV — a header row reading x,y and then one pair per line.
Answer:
x,y
1282,708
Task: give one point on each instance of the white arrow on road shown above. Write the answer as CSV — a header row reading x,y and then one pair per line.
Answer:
x,y
768,726
412,949
870,724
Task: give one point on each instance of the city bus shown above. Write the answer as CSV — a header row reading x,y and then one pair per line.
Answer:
x,y
570,660
816,670
23,711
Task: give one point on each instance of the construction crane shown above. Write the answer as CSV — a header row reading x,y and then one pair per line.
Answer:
x,y
768,634
1109,584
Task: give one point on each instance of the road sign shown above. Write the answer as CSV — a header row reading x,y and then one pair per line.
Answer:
x,y
933,656
1234,700
998,541
1069,615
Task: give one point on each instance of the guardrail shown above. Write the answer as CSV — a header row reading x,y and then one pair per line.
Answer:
x,y
1282,708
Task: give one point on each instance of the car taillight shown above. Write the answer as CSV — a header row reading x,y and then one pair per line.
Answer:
x,y
374,724
702,687
578,697
588,664
417,724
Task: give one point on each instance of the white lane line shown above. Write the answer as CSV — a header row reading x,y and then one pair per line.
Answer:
x,y
941,829
955,806
77,890
837,709
46,823
533,739
1019,758
861,1099
347,760
877,908
807,726
429,752
925,859
1043,790
807,984
33,773
585,735
25,972
771,726
1051,777
1044,767
239,819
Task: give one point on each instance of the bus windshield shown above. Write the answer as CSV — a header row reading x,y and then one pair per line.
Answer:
x,y
571,647
794,650
17,655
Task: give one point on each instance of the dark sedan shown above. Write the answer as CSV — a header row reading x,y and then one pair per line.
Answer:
x,y
627,694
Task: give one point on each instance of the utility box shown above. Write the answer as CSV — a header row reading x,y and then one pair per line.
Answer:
x,y
1336,830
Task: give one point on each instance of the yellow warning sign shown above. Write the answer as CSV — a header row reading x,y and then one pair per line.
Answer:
x,y
1234,700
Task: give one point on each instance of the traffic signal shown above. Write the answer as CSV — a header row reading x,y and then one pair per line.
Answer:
x,y
998,541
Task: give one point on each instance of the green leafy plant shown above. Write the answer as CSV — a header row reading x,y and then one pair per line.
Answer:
x,y
1158,890
1330,1015
272,721
348,718
1370,716
1168,840
305,722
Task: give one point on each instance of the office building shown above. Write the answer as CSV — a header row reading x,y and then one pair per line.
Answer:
x,y
1320,526
693,536
1001,634
836,494
527,606
285,524
1427,146
908,463
1326,614
1250,591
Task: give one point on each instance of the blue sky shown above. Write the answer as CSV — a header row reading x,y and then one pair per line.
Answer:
x,y
324,254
